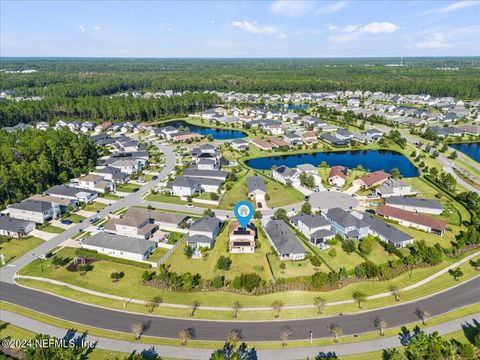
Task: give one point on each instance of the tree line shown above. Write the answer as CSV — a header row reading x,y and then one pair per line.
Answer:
x,y
33,160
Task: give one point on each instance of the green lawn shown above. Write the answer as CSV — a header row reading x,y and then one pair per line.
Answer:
x,y
281,195
174,237
161,197
206,266
293,268
51,229
15,248
343,259
127,188
111,196
157,254
379,255
95,206
74,218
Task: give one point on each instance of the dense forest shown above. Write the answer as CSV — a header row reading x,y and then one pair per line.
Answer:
x,y
83,87
118,108
33,160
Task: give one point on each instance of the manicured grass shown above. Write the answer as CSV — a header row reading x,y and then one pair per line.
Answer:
x,y
111,196
127,188
15,248
281,195
161,197
293,268
174,237
147,177
379,255
51,229
99,279
206,266
74,218
95,206
157,254
343,259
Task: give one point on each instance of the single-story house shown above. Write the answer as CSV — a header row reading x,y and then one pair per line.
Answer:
x,y
256,189
284,241
427,206
372,179
414,220
15,228
387,232
239,144
119,246
337,175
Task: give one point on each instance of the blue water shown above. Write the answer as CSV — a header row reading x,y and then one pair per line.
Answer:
x,y
218,134
472,150
371,160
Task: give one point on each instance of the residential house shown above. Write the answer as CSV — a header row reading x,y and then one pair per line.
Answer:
x,y
239,144
112,174
119,246
373,135
309,137
203,232
292,139
337,175
96,183
395,187
72,193
414,220
15,228
185,136
165,220
315,228
329,138
183,186
286,175
387,232
279,142
344,135
426,206
262,144
135,225
256,189
345,224
34,211
128,166
241,240
284,241
372,179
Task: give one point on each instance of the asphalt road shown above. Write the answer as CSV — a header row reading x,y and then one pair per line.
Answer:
x,y
465,294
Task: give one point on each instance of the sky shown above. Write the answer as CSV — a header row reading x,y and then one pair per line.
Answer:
x,y
239,28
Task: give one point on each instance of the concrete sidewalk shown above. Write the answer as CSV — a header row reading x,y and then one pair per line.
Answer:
x,y
193,353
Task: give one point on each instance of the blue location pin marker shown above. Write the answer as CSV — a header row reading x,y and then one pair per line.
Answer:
x,y
243,212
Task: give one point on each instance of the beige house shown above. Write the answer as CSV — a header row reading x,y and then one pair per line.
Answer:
x,y
241,240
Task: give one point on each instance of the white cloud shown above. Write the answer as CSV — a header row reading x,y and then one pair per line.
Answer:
x,y
97,28
379,28
81,28
331,9
459,5
433,41
353,32
291,9
254,28
212,21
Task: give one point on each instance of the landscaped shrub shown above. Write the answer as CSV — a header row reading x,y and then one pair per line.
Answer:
x,y
247,281
319,280
224,263
315,260
348,246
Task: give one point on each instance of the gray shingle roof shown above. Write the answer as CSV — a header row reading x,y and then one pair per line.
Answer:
x,y
13,225
283,238
255,183
120,243
345,219
385,229
32,205
182,181
205,173
413,202
206,223
67,191
200,239
311,221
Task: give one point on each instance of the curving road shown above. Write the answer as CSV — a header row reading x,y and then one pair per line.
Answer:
x,y
462,295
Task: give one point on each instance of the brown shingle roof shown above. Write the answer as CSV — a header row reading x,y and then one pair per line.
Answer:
x,y
338,170
388,211
375,177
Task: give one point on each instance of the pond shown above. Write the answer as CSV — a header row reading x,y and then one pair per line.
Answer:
x,y
371,160
218,134
471,149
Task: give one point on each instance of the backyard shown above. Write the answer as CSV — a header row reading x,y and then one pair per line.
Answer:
x,y
15,248
95,206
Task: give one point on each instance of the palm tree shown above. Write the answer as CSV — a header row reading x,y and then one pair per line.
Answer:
x,y
194,307
236,307
138,329
395,292
234,336
380,325
359,297
185,334
285,332
319,303
336,331
422,315
277,306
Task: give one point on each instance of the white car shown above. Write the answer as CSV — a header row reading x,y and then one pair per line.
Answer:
x,y
189,205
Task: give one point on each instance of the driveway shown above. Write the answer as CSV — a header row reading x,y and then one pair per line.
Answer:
x,y
43,234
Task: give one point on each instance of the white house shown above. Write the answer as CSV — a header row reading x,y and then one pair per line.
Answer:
x,y
286,175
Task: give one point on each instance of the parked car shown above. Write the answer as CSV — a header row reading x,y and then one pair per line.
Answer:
x,y
306,198
372,196
371,211
67,222
154,177
92,220
135,190
373,204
